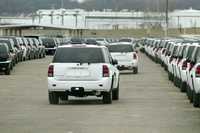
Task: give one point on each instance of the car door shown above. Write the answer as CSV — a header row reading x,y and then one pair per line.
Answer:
x,y
195,80
115,71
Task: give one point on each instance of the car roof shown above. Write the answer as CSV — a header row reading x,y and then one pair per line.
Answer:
x,y
80,46
121,43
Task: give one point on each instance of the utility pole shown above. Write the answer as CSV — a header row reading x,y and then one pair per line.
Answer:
x,y
167,17
62,4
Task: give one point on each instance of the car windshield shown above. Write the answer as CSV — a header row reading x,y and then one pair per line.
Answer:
x,y
120,48
125,40
48,42
7,42
79,55
175,50
3,49
198,55
190,52
181,52
99,39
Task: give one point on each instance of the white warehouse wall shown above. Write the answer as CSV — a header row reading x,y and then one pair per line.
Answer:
x,y
81,19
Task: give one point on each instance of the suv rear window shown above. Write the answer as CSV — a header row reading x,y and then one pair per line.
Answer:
x,y
120,48
79,55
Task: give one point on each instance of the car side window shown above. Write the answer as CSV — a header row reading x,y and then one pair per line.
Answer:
x,y
198,55
108,55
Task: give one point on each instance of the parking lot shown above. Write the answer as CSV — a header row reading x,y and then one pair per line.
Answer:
x,y
148,103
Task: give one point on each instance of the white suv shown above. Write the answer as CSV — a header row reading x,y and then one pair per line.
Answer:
x,y
125,55
83,70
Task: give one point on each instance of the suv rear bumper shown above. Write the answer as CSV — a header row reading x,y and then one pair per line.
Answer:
x,y
103,85
127,65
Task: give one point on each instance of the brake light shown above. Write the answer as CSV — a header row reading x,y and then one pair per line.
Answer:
x,y
184,66
51,71
106,72
198,71
134,56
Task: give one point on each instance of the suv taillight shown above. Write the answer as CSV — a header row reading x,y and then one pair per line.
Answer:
x,y
106,72
198,71
184,66
134,56
51,71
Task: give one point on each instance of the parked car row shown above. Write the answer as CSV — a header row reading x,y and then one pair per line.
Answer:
x,y
18,49
180,57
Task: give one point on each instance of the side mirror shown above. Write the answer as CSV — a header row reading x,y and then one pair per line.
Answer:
x,y
114,62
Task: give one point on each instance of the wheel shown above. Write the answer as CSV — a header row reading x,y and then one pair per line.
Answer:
x,y
107,97
183,87
175,81
196,99
169,76
24,58
7,72
190,94
178,82
11,66
53,98
115,95
135,70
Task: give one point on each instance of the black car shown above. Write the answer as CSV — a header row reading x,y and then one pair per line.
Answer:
x,y
91,42
5,59
50,45
12,49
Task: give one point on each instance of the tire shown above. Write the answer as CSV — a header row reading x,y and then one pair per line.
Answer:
x,y
190,94
175,81
135,70
11,66
196,99
115,95
107,97
169,76
183,87
53,98
7,72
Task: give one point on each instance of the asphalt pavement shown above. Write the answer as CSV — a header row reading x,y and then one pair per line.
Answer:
x,y
149,103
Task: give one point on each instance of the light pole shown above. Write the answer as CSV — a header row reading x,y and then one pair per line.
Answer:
x,y
167,17
76,18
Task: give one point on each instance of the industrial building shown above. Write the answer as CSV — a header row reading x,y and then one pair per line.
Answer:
x,y
77,20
